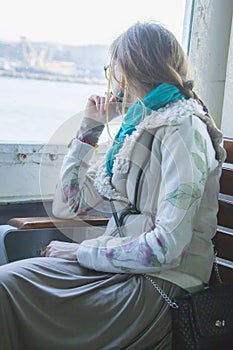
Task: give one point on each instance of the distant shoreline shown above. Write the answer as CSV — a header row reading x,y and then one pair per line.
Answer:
x,y
52,77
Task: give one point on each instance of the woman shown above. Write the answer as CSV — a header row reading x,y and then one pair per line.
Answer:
x,y
161,176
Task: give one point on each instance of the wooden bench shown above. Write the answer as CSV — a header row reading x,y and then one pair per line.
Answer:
x,y
223,239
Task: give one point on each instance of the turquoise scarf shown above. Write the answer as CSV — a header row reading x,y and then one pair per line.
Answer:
x,y
156,99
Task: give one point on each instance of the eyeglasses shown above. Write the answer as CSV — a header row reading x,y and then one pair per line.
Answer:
x,y
106,72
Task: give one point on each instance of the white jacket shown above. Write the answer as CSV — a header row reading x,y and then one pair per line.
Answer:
x,y
176,148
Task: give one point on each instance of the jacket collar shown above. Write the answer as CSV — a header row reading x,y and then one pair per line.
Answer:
x,y
174,113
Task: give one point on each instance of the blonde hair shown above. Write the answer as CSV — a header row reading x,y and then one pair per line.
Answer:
x,y
148,55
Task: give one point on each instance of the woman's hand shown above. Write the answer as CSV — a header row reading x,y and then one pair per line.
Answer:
x,y
59,249
97,106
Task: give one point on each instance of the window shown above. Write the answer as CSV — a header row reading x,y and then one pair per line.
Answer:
x,y
52,55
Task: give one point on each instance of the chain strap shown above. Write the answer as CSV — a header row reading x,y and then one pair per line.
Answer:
x,y
171,303
216,269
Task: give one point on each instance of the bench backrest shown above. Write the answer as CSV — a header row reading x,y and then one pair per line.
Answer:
x,y
224,237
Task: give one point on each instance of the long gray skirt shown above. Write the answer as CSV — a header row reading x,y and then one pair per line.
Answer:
x,y
55,304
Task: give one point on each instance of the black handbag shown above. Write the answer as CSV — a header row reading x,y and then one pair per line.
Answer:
x,y
204,320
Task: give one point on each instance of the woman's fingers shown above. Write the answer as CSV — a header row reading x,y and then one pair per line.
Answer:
x,y
60,249
98,101
102,105
98,105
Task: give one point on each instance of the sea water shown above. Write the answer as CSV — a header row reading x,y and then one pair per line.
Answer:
x,y
32,110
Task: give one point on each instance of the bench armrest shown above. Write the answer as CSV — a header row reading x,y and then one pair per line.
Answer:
x,y
53,222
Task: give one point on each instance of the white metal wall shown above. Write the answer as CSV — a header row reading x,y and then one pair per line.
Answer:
x,y
20,169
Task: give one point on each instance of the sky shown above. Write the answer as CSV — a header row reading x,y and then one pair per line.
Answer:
x,y
83,22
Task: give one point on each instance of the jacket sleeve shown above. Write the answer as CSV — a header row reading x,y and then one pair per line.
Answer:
x,y
184,170
75,192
